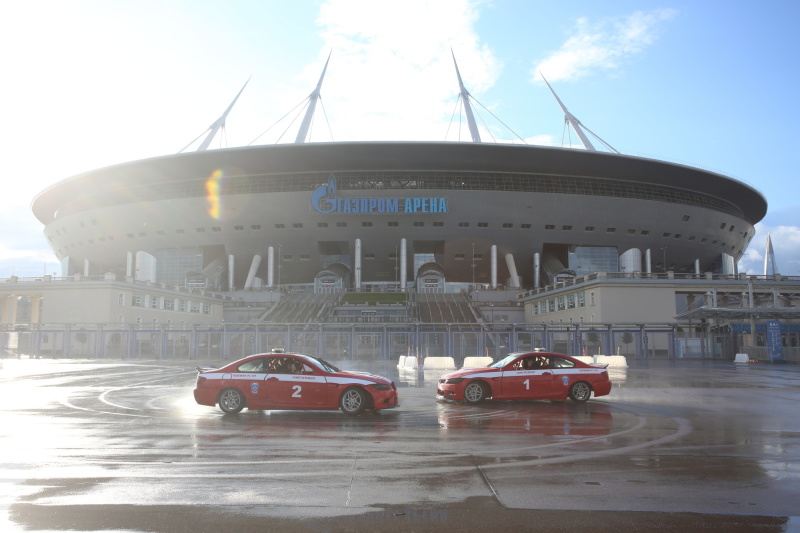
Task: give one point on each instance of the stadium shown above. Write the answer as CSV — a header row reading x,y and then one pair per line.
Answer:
x,y
360,214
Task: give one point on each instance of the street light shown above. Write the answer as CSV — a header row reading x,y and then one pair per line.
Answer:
x,y
664,251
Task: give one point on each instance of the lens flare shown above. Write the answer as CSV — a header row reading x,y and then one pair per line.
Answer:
x,y
212,193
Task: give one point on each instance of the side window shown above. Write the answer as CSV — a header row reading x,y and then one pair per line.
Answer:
x,y
560,362
256,365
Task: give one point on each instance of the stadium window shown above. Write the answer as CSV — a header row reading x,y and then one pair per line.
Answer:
x,y
280,226
692,238
459,257
306,257
483,224
393,255
159,232
367,256
731,228
644,232
463,224
588,228
238,228
131,235
142,234
566,227
525,226
549,226
392,224
255,226
611,230
297,225
180,231
666,235
631,232
438,224
200,230
703,239
686,218
507,225
477,257
722,226
714,242
419,224
121,300
341,224
287,257
366,224
677,236
322,224
216,228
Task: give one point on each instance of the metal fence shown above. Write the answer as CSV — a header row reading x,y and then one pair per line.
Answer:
x,y
226,342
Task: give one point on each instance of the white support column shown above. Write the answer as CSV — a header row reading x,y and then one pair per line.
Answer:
x,y
270,266
696,266
537,267
403,269
251,275
512,271
631,261
231,286
358,265
494,265
129,265
647,265
85,267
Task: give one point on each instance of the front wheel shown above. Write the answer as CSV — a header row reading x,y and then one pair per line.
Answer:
x,y
353,401
231,401
475,392
580,391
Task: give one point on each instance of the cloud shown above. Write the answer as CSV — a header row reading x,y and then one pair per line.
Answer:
x,y
785,244
602,46
411,88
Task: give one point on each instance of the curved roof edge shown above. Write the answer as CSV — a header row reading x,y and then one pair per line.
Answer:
x,y
407,155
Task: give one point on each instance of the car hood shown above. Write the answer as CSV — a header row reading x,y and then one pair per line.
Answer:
x,y
466,372
363,375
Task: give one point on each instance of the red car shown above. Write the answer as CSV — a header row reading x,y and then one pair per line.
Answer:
x,y
526,376
291,381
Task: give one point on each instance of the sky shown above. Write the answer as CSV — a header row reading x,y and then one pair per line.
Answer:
x,y
87,84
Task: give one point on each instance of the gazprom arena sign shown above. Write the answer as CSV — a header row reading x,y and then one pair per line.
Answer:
x,y
324,200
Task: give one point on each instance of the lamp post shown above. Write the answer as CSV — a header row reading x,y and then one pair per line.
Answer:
x,y
664,251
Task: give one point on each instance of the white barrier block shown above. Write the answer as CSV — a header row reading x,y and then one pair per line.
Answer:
x,y
613,361
439,363
741,358
410,362
401,363
477,362
588,359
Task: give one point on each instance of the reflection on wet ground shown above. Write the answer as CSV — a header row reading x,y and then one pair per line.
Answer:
x,y
678,445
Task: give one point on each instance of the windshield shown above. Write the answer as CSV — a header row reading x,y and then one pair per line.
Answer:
x,y
326,366
504,361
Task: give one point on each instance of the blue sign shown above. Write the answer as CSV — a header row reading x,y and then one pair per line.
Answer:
x,y
324,200
774,345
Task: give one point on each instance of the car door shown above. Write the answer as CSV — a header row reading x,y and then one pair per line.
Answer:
x,y
521,382
293,383
250,379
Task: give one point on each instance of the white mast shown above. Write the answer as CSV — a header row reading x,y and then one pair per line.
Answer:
x,y
216,126
571,119
312,104
770,266
473,127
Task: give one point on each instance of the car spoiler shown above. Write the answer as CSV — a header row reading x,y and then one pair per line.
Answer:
x,y
599,365
202,369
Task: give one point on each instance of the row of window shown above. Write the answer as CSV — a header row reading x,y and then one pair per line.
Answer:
x,y
166,303
561,303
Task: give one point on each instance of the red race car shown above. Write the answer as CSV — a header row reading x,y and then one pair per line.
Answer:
x,y
526,376
291,381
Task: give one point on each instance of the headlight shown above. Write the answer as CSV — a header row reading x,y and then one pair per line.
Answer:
x,y
453,381
381,386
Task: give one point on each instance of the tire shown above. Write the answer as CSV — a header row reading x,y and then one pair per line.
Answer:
x,y
353,401
580,391
475,392
231,401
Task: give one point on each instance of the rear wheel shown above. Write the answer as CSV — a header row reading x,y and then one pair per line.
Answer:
x,y
353,401
475,392
231,401
580,391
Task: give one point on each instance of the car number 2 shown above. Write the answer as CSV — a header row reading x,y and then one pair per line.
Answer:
x,y
297,390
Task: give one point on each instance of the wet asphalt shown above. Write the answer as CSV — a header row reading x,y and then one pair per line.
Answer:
x,y
681,445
